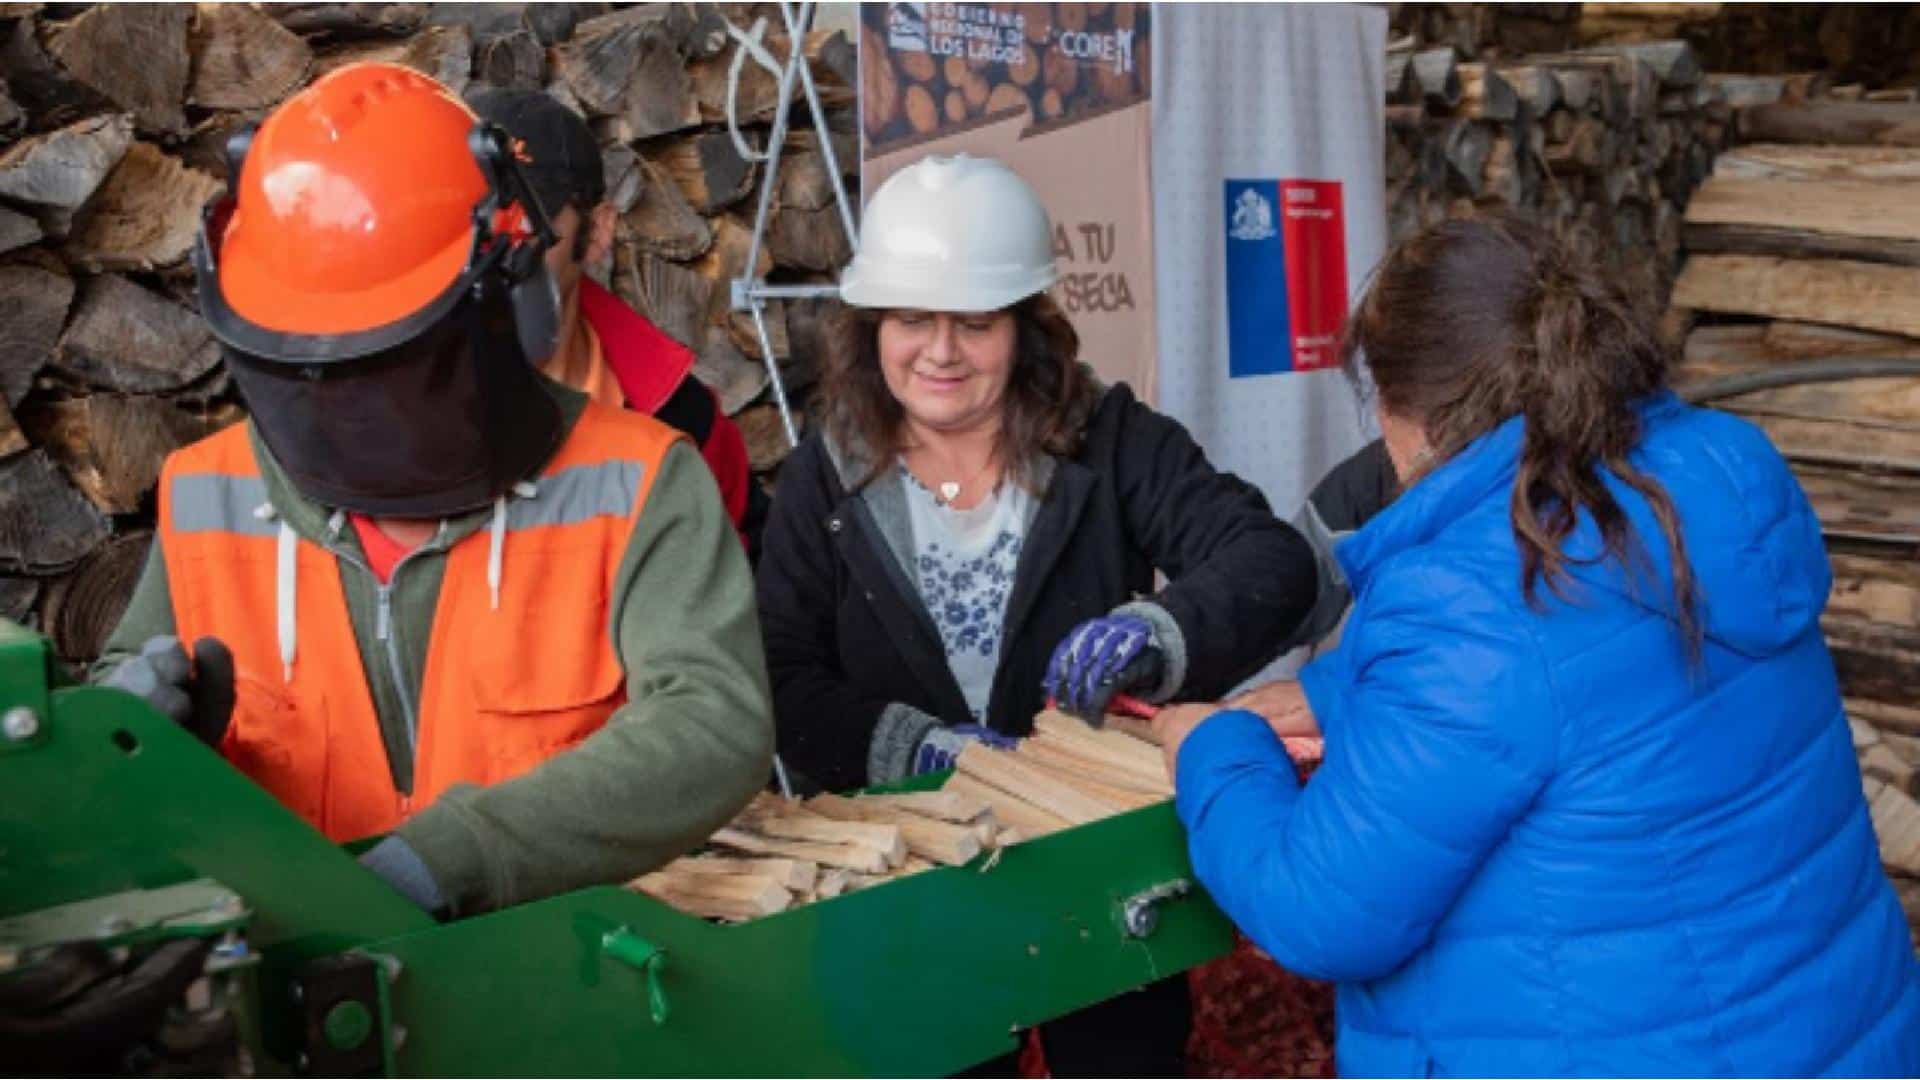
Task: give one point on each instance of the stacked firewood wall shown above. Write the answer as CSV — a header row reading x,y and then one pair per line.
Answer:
x,y
113,123
1804,256
1606,144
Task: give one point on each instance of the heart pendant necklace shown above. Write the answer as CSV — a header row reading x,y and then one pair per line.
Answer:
x,y
946,491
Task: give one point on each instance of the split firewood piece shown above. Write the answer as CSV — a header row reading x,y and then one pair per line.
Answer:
x,y
939,841
856,857
62,169
772,816
806,232
82,608
1865,219
1897,719
1055,756
34,299
243,58
731,374
12,439
627,67
123,337
514,60
1486,95
1008,809
916,865
17,597
663,222
1846,123
135,55
1896,820
112,445
1785,161
765,435
13,119
832,883
673,297
17,230
1046,790
1866,296
735,897
1883,763
1075,774
144,217
944,805
350,20
444,53
796,874
708,169
45,525
1110,744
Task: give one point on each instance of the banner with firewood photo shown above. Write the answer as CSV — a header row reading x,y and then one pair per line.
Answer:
x,y
1267,217
1060,93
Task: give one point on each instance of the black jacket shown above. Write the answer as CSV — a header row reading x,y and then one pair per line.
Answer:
x,y
847,634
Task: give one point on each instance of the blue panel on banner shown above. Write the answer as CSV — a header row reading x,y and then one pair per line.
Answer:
x,y
1259,334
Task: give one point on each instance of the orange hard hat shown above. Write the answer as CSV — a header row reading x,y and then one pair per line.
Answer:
x,y
363,206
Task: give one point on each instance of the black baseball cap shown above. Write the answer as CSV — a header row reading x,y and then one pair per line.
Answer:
x,y
562,160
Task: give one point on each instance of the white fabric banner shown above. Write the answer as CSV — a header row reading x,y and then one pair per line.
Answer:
x,y
1268,215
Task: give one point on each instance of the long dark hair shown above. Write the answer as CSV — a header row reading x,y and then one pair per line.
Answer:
x,y
1473,321
1049,395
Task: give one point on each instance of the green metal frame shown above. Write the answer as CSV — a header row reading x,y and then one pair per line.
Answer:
x,y
920,976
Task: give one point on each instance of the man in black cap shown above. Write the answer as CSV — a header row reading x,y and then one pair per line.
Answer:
x,y
606,349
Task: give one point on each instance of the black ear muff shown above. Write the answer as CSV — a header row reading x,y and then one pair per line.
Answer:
x,y
536,311
534,295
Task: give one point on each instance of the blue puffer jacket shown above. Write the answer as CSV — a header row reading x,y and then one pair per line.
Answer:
x,y
1541,843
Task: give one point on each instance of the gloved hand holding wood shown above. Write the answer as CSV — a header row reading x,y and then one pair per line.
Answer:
x,y
195,692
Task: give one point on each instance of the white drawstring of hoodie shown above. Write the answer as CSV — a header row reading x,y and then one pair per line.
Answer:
x,y
286,567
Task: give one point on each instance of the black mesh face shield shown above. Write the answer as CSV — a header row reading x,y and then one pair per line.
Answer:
x,y
433,414
436,426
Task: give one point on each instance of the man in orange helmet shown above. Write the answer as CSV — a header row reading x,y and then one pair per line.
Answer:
x,y
466,606
604,348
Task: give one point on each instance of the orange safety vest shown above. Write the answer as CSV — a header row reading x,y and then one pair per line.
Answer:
x,y
512,676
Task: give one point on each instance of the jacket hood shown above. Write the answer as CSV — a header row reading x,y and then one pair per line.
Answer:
x,y
1754,545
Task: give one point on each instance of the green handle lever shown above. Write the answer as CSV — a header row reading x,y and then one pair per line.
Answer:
x,y
644,956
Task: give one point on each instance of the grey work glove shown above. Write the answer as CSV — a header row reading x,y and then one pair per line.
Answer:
x,y
397,864
195,693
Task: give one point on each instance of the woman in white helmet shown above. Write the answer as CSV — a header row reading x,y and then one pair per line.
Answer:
x,y
977,526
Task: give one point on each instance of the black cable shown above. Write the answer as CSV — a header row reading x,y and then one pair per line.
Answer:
x,y
1800,373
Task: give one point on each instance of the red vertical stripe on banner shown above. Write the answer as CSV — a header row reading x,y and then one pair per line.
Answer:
x,y
1313,227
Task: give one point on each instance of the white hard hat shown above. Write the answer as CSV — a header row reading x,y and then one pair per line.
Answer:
x,y
957,233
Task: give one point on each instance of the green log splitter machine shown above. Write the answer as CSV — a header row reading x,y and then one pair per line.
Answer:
x,y
264,948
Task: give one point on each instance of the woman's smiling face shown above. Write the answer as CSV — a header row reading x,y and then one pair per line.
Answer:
x,y
948,371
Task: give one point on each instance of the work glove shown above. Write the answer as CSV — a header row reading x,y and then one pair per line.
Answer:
x,y
1099,658
941,747
395,862
195,693
85,1010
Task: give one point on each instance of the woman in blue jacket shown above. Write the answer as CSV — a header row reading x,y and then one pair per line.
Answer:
x,y
1589,803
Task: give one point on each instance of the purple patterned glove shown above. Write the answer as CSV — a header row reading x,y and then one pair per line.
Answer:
x,y
942,746
1100,658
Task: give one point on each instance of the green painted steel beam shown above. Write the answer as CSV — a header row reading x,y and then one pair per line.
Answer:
x,y
920,976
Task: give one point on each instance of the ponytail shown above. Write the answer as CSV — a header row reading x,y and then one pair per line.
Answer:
x,y
1472,322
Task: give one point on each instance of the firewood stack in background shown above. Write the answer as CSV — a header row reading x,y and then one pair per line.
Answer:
x,y
1606,144
1805,253
113,123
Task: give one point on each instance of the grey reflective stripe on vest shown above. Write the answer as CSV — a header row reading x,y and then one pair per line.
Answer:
x,y
213,502
216,502
582,492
